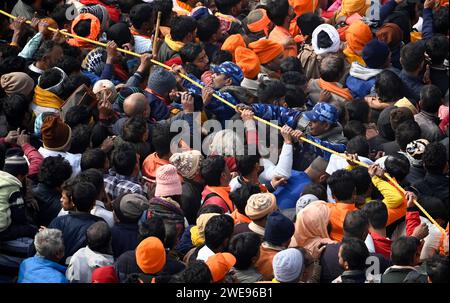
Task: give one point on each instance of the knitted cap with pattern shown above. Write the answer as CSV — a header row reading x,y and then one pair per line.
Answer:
x,y
187,163
260,205
167,181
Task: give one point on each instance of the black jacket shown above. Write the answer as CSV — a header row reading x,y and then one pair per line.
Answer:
x,y
74,227
49,203
124,238
191,200
434,186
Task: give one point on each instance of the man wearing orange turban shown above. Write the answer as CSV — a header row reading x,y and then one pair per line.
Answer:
x,y
248,61
357,36
94,30
258,23
270,54
232,43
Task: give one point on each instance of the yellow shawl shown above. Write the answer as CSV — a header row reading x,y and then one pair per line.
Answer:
x,y
174,45
45,98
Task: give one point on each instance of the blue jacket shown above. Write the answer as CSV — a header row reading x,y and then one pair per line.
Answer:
x,y
219,109
288,194
39,270
281,114
159,110
358,87
123,238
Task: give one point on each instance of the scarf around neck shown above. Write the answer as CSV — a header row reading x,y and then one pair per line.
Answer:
x,y
176,46
333,88
46,98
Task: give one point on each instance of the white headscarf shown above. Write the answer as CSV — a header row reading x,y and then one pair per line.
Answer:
x,y
334,36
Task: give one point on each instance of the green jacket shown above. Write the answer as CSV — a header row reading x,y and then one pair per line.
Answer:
x,y
8,186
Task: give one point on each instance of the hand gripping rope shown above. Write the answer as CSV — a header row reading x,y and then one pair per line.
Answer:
x,y
393,181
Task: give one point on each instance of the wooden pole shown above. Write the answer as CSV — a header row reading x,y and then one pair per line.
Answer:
x,y
156,35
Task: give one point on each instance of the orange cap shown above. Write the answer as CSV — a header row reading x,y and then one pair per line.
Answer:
x,y
151,255
248,61
267,50
303,6
358,35
220,264
232,42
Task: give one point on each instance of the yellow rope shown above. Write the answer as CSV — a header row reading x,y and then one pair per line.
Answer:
x,y
234,107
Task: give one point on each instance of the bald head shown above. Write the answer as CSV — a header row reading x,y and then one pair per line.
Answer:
x,y
317,170
136,105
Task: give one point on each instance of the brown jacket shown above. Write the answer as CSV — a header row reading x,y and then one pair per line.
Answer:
x,y
264,263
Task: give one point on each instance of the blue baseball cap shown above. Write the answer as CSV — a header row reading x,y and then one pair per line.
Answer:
x,y
230,70
323,112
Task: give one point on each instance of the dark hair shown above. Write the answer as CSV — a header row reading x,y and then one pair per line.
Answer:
x,y
49,78
440,20
73,82
211,169
399,115
189,52
126,5
225,6
362,180
354,128
356,225
98,237
84,195
217,230
196,272
358,110
12,64
221,56
181,27
240,196
317,190
246,163
15,169
435,207
59,14
98,134
72,51
54,171
291,64
141,13
377,213
411,56
341,184
153,227
308,22
93,176
124,159
435,158
161,138
437,269
134,129
93,158
388,86
397,166
406,133
45,48
210,209
277,11
69,64
355,253
359,145
403,251
331,67
165,7
324,40
270,90
293,81
83,28
437,49
15,107
430,98
244,247
81,139
207,26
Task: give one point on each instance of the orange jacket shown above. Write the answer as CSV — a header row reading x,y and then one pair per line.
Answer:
x,y
337,217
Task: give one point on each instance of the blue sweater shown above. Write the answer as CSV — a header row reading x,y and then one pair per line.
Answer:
x,y
288,194
39,270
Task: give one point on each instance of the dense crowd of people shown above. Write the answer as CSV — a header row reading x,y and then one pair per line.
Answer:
x,y
117,170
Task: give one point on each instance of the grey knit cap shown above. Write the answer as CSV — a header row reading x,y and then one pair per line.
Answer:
x,y
161,81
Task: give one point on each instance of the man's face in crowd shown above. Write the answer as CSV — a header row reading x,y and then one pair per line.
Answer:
x,y
202,61
317,128
220,81
275,64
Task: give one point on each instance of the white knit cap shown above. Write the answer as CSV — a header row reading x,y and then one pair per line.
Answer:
x,y
304,201
334,36
288,265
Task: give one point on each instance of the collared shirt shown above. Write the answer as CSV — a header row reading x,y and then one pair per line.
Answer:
x,y
35,69
99,210
116,185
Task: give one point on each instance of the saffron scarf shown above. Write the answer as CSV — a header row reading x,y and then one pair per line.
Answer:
x,y
46,98
239,218
223,192
176,46
333,88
